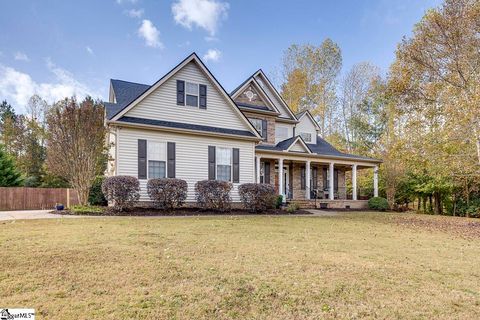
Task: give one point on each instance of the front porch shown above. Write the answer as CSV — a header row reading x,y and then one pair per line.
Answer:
x,y
316,183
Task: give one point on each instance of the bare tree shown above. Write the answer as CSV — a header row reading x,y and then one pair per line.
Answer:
x,y
76,142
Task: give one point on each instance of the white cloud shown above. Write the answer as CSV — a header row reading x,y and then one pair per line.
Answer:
x,y
135,13
20,56
211,39
18,87
150,34
89,50
212,55
206,14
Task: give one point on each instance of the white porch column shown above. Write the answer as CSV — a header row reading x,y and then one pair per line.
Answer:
x,y
331,196
257,159
375,181
280,179
307,180
354,182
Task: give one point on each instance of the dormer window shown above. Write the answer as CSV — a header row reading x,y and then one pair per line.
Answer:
x,y
306,136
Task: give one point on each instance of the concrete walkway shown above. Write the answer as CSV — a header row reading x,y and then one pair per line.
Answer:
x,y
30,214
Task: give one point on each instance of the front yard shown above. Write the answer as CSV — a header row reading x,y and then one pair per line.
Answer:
x,y
358,265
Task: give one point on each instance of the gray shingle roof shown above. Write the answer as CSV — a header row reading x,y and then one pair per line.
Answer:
x,y
125,93
188,126
321,148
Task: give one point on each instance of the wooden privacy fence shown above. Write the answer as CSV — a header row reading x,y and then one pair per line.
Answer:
x,y
36,198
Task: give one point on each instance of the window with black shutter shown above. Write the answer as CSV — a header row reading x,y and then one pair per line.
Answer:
x,y
236,165
142,159
266,173
180,92
264,129
203,97
211,163
171,159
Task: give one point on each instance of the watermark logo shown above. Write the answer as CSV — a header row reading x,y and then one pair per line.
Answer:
x,y
17,314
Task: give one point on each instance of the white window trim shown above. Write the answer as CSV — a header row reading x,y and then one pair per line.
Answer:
x,y
198,94
148,156
261,125
231,163
309,140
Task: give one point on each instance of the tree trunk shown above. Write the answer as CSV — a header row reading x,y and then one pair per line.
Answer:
x,y
438,203
430,208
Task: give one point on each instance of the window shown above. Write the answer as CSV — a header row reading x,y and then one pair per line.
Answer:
x,y
262,172
224,163
156,159
281,133
191,91
307,136
257,124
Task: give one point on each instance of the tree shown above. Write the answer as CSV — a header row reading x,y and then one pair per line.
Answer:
x,y
9,174
76,142
310,75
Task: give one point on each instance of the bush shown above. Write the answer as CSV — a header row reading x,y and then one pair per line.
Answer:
x,y
292,207
278,201
167,193
213,194
257,197
378,203
122,191
96,197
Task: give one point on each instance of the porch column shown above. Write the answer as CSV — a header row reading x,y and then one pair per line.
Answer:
x,y
331,172
307,180
280,179
258,169
354,182
375,181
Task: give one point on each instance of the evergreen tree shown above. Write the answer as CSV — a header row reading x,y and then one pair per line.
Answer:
x,y
9,175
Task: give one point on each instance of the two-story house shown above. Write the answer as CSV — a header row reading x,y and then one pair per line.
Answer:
x,y
187,126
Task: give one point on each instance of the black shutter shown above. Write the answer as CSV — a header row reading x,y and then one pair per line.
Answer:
x,y
290,180
325,179
236,165
142,159
266,173
211,163
302,177
180,92
171,159
264,129
203,96
335,180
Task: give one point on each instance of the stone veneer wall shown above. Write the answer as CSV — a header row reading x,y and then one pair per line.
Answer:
x,y
300,194
270,125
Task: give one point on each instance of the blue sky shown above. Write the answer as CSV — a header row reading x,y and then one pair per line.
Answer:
x,y
58,48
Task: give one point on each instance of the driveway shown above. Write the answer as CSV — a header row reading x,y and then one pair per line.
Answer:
x,y
30,214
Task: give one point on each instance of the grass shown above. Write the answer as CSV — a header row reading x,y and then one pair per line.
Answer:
x,y
360,265
87,210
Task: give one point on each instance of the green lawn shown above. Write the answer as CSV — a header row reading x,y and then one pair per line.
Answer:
x,y
284,267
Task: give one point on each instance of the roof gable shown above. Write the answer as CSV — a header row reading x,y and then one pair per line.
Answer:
x,y
307,115
274,95
158,102
298,145
251,95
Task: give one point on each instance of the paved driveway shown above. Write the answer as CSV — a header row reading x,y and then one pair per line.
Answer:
x,y
30,214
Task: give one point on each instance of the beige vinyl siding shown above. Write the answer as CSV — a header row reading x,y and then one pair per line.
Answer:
x,y
297,147
191,157
289,128
306,125
162,103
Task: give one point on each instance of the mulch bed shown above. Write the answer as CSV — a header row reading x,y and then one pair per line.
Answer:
x,y
465,228
152,212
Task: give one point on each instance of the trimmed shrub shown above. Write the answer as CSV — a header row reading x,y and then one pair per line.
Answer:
x,y
122,191
378,203
213,194
96,197
257,197
278,201
292,207
168,193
